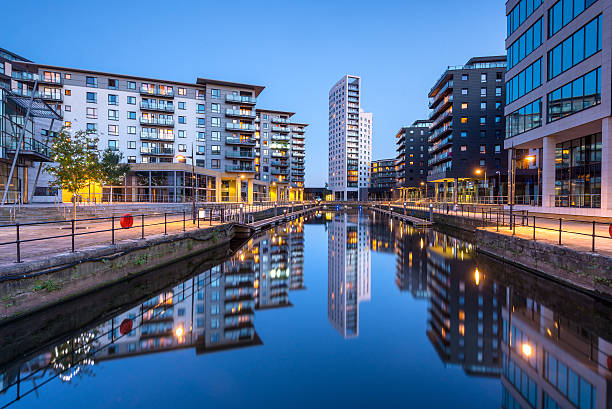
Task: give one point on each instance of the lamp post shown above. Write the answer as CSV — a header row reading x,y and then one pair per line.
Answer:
x,y
193,182
531,159
424,184
478,172
499,191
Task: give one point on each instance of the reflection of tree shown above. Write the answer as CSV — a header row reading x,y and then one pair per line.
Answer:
x,y
74,357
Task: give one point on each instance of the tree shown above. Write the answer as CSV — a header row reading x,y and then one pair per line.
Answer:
x,y
111,171
76,159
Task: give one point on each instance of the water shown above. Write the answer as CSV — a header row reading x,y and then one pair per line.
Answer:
x,y
335,310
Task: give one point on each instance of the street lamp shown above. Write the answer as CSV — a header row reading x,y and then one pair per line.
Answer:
x,y
424,184
478,172
531,160
193,183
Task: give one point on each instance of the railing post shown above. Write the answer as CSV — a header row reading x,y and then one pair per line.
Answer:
x,y
593,244
142,226
165,223
113,230
497,213
560,221
183,220
534,228
73,235
18,244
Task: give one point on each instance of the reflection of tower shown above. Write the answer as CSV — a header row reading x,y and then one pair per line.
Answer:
x,y
464,308
349,271
273,270
411,266
551,361
296,254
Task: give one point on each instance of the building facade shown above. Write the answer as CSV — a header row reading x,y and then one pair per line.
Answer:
x,y
166,129
350,141
382,179
558,110
466,159
412,156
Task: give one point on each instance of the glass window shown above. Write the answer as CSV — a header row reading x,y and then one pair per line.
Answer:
x,y
91,82
131,100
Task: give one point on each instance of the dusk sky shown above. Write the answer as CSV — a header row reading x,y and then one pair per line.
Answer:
x,y
296,50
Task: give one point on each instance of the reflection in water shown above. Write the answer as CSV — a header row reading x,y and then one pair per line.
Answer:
x,y
549,346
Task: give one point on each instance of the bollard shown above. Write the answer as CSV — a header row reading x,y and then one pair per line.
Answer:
x,y
183,220
113,230
73,235
165,224
593,244
560,224
18,244
142,226
534,228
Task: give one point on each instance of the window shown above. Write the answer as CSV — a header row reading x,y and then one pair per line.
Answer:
x,y
498,91
575,96
181,134
92,82
182,91
113,114
200,150
67,108
497,105
215,149
524,82
482,162
216,122
464,119
201,123
464,77
131,145
463,148
563,12
201,137
215,136
483,77
182,119
67,92
113,84
215,163
215,93
92,97
520,13
92,128
68,76
483,149
131,115
497,148
483,133
68,124
131,100
131,159
112,145
113,130
215,108
181,105
463,134
497,119
576,48
182,147
483,92
131,85
201,108
464,91
499,76
92,113
483,120
483,105
464,105
199,94
525,44
131,130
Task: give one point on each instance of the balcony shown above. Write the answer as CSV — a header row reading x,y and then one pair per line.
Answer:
x,y
298,154
446,116
277,137
146,106
239,154
297,129
239,113
298,141
239,168
297,173
278,128
30,149
278,163
240,99
157,91
440,132
440,144
441,107
233,140
52,96
433,101
298,148
25,76
280,172
280,155
442,157
298,167
298,135
154,150
155,136
280,146
239,127
157,121
279,120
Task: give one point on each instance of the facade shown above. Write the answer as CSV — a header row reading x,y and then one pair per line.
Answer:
x,y
164,128
412,157
382,179
558,104
350,141
466,158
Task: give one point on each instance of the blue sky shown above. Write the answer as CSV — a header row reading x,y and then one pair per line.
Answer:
x,y
296,50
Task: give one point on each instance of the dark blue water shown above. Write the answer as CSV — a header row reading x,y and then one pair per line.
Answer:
x,y
336,310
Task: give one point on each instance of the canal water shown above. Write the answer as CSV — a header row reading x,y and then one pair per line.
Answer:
x,y
334,310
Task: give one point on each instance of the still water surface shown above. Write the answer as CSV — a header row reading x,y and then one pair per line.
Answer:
x,y
336,310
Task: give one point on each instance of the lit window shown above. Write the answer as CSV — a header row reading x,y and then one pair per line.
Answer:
x,y
464,105
464,120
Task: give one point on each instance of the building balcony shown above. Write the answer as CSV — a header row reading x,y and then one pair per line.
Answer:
x,y
239,113
279,163
297,173
157,91
298,148
25,76
445,90
154,136
240,99
52,96
145,106
448,101
441,144
439,158
239,169
299,136
298,167
277,137
30,149
239,127
280,146
298,141
446,116
280,172
282,129
157,121
297,129
299,154
280,155
279,120
441,132
239,155
233,140
156,151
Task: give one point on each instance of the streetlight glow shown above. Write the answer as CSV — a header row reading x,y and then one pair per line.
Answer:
x,y
477,277
179,332
527,350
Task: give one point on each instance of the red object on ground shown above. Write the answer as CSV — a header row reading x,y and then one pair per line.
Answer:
x,y
609,363
610,230
126,326
127,221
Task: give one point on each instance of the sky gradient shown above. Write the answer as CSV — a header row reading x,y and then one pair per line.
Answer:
x,y
296,50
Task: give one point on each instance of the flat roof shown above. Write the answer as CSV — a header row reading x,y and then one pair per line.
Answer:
x,y
205,81
274,111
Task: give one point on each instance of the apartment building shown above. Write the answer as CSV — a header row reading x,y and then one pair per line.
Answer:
x,y
412,156
350,141
382,179
466,158
558,109
163,129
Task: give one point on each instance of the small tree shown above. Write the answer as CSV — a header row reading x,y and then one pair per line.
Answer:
x,y
111,170
76,159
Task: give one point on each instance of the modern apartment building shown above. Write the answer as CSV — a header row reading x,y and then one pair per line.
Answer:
x,y
467,131
163,128
382,179
558,103
412,156
350,141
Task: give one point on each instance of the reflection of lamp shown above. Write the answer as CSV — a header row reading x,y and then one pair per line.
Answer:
x,y
527,350
179,332
477,277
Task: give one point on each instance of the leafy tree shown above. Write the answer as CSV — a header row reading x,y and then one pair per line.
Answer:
x,y
76,160
110,169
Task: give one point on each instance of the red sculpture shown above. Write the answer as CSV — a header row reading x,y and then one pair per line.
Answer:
x,y
127,221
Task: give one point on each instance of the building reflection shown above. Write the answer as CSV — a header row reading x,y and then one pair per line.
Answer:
x,y
411,260
212,311
348,269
